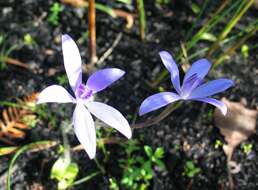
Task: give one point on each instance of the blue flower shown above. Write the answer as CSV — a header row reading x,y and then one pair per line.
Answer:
x,y
192,88
84,97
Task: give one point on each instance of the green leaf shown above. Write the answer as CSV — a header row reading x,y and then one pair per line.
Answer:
x,y
128,2
159,153
245,50
148,150
189,165
58,169
64,172
208,37
7,150
193,172
195,8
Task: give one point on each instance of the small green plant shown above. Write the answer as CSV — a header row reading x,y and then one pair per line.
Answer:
x,y
113,185
218,144
247,148
161,89
138,170
64,172
53,17
195,8
28,40
30,120
190,170
245,51
62,79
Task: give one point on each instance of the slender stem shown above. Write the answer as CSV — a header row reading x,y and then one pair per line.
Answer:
x,y
92,32
65,129
86,178
102,169
157,119
142,19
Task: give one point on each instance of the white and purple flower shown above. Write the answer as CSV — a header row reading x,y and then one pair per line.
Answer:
x,y
82,120
191,89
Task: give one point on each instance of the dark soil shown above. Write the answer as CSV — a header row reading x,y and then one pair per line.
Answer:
x,y
187,134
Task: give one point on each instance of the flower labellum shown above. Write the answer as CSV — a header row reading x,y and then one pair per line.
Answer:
x,y
98,81
191,89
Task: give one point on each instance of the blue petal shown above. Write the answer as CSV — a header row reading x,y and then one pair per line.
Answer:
x,y
219,104
101,79
171,66
200,67
157,101
211,88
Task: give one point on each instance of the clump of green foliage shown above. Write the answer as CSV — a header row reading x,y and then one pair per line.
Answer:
x,y
28,40
218,144
190,170
137,169
53,17
247,148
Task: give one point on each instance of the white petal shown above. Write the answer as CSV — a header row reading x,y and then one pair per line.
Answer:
x,y
72,61
84,129
54,93
110,116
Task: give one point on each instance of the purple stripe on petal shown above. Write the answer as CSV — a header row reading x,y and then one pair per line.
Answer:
x,y
84,129
189,85
157,101
72,61
200,67
171,66
211,88
219,104
103,78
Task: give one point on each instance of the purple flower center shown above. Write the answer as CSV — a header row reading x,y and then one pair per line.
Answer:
x,y
189,85
83,92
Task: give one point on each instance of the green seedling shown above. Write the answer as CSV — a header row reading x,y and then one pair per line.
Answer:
x,y
195,8
64,172
161,89
247,148
245,51
53,17
113,185
62,80
30,120
190,170
218,144
28,40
